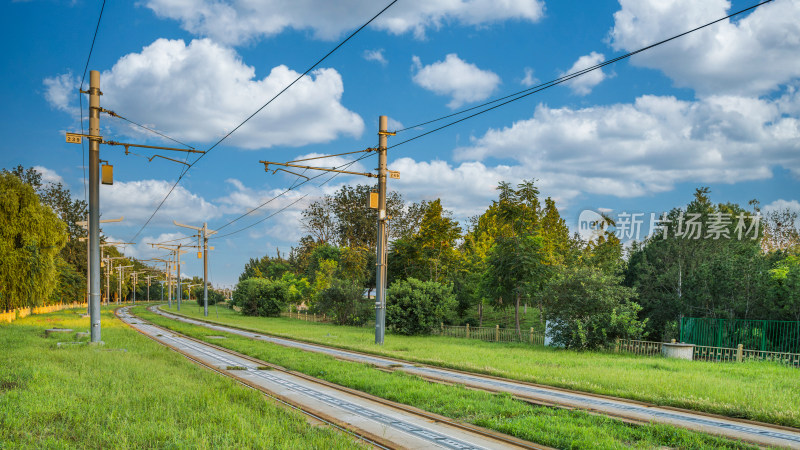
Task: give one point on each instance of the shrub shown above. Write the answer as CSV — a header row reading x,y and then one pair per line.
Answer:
x,y
416,307
344,301
587,309
261,296
214,296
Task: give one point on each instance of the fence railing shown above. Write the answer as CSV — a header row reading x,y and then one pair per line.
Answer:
x,y
642,348
710,353
492,334
24,312
304,315
764,335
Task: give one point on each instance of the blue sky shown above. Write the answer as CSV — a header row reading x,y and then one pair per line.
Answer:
x,y
717,108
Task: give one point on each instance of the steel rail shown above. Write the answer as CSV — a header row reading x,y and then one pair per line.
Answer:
x,y
488,434
248,384
358,356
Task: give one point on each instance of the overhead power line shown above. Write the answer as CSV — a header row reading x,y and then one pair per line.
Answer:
x,y
258,111
538,88
500,102
294,186
113,114
80,98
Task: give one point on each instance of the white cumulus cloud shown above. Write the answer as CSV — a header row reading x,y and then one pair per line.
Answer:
x,y
629,150
528,80
375,55
461,81
49,175
136,201
61,91
584,84
749,56
173,87
239,21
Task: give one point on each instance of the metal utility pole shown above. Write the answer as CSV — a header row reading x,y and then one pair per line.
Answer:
x,y
169,284
176,251
378,202
135,282
95,140
119,279
85,226
94,204
178,274
148,287
380,270
109,269
203,233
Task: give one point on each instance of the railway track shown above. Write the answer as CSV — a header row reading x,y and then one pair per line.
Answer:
x,y
628,410
378,422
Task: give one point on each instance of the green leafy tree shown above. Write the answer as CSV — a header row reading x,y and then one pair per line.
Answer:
x,y
31,236
416,307
516,266
587,308
689,273
786,276
515,269
344,301
265,267
214,296
430,253
261,296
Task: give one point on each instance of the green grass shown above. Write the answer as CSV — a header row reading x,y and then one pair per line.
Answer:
x,y
130,393
762,391
549,426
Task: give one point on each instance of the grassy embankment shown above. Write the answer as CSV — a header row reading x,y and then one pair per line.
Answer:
x,y
767,392
130,393
548,426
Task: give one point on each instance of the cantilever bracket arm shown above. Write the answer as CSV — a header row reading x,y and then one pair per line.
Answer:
x,y
324,169
159,156
126,145
290,172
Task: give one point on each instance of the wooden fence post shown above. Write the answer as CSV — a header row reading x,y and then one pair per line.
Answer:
x,y
531,336
441,324
315,317
468,330
616,345
497,333
739,353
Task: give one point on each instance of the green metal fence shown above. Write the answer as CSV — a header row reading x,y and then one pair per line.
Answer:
x,y
762,335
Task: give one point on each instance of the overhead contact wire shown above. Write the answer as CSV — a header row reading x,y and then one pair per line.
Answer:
x,y
256,112
538,88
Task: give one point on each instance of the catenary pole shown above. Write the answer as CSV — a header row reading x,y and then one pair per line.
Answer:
x,y
202,242
380,271
178,275
94,205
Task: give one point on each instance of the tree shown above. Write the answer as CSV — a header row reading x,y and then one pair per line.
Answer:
x,y
786,276
261,296
515,269
689,273
214,296
416,307
344,301
781,232
70,211
318,220
430,253
587,308
516,266
31,236
265,267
